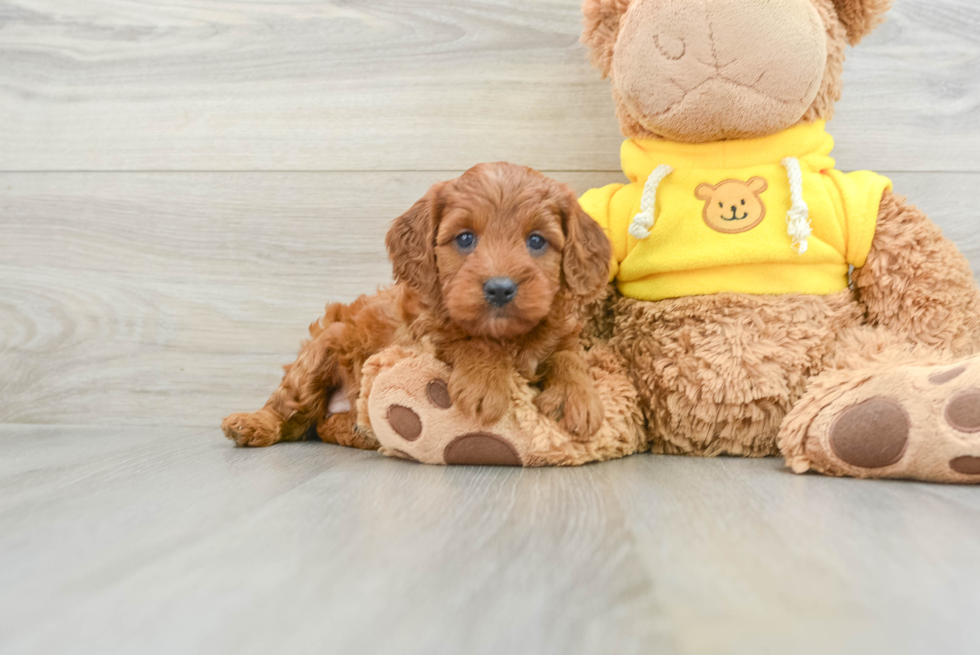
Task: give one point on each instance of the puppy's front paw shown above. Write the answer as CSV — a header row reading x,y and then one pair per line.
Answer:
x,y
577,407
486,399
259,429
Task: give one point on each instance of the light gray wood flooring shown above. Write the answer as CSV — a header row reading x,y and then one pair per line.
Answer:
x,y
165,540
184,184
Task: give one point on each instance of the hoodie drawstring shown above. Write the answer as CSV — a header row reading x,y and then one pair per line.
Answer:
x,y
643,222
797,218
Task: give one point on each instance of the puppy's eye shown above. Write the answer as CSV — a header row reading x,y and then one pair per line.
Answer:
x,y
536,243
466,240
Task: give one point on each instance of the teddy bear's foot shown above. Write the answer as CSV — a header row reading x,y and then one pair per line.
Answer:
x,y
406,399
916,422
413,418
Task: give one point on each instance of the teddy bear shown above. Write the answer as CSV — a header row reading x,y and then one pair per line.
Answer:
x,y
764,303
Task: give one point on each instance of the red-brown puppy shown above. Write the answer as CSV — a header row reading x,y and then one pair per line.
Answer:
x,y
496,268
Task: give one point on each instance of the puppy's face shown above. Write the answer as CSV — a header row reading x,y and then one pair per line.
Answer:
x,y
495,247
499,259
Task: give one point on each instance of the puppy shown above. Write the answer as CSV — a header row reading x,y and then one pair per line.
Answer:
x,y
496,268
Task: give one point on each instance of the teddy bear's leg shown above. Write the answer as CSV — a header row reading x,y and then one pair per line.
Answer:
x,y
888,409
406,403
916,282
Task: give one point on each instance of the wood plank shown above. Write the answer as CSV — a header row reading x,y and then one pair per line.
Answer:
x,y
753,558
174,298
120,294
162,541
396,85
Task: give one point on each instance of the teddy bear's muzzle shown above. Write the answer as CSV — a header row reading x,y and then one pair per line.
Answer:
x,y
704,70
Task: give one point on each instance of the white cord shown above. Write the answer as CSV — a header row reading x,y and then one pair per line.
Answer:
x,y
798,217
643,222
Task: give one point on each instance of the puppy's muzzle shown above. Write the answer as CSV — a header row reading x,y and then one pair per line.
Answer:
x,y
500,291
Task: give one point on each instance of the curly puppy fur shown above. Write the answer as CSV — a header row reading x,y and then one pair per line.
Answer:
x,y
445,250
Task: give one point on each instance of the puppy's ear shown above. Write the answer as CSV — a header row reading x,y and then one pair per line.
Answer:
x,y
587,253
602,22
861,17
411,242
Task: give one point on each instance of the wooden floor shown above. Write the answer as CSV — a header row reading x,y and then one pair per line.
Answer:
x,y
183,185
165,540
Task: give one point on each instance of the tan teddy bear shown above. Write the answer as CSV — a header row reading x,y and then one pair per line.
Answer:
x,y
824,319
759,342
742,198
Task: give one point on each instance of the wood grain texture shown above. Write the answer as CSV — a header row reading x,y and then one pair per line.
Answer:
x,y
138,307
407,85
174,299
172,541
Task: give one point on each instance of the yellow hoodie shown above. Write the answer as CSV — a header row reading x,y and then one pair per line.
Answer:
x,y
759,216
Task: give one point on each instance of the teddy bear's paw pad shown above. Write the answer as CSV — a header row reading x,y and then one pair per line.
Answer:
x,y
917,422
872,434
420,434
481,449
404,422
966,465
438,394
942,377
963,411
414,418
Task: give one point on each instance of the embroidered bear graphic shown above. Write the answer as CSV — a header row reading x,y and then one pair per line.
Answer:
x,y
733,206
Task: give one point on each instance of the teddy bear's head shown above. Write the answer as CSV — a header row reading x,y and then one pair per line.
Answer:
x,y
697,71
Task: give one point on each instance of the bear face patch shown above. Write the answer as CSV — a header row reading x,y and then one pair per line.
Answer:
x,y
733,206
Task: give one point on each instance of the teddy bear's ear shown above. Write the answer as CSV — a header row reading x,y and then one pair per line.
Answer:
x,y
704,191
861,17
602,29
758,185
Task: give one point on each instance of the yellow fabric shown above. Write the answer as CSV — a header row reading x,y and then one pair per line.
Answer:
x,y
684,256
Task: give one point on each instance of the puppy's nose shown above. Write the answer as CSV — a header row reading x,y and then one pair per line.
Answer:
x,y
499,291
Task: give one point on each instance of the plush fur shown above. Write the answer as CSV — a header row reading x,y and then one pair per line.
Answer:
x,y
874,381
843,21
878,381
751,375
401,378
441,296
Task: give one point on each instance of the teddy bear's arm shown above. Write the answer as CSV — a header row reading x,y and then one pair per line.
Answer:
x,y
915,281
